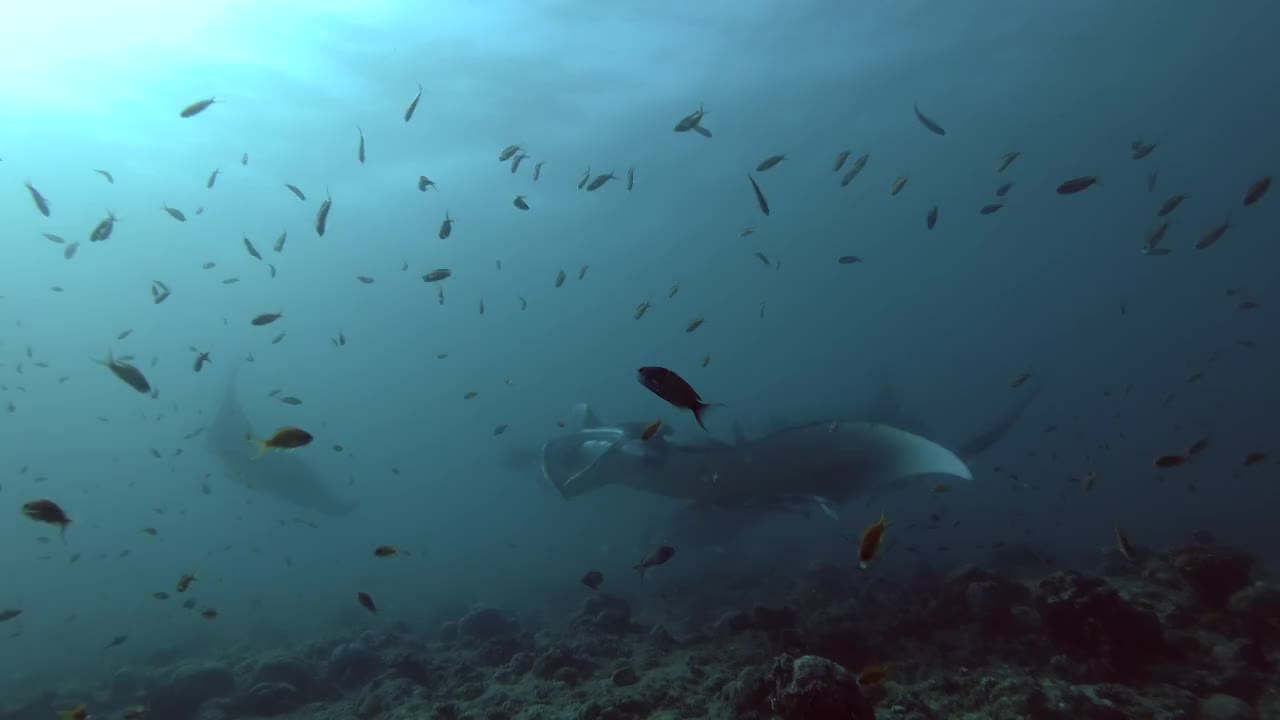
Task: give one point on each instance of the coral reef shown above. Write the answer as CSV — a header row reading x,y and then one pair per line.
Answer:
x,y
1193,634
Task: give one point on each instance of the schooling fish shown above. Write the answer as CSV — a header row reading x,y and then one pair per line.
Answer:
x,y
408,112
660,556
366,602
131,375
252,250
322,215
213,177
294,189
174,213
1075,185
669,386
764,204
197,107
42,204
360,149
48,512
932,126
446,227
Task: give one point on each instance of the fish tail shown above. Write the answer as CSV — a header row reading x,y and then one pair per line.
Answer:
x,y
261,445
62,532
700,408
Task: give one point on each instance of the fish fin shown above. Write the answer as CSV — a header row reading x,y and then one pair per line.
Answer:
x,y
825,505
262,447
700,408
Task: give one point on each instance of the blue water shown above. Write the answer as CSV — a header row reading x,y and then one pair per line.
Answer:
x,y
948,315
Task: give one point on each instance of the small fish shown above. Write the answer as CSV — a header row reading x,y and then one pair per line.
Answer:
x,y
124,334
253,251
279,246
931,218
631,178
286,438
366,602
102,231
1150,245
1019,380
481,306
706,360
599,181
1006,160
7,615
1170,461
213,177
424,182
582,271
1171,204
691,121
515,162
1254,458
231,281
560,278
991,208
897,186
383,551
840,158
641,309
659,556
116,642
437,275
760,200
78,712
47,512
197,107
1213,235
131,375
1257,190
322,215
54,238
848,259
651,429
174,213
291,400
1198,447
770,162
694,325
524,304
669,386
413,105
508,152
360,149
209,614
593,579
747,231
870,542
585,177
470,394
106,175
537,170
672,292
932,126
763,258
265,319
856,168
294,189
202,358
160,595
1141,150
520,203
499,429
1004,189
1075,185
446,227
276,340
365,279
872,675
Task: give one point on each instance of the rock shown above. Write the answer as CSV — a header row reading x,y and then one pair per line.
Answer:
x,y
126,684
774,619
188,687
661,640
486,624
1258,603
558,658
268,699
732,623
1214,573
352,662
1226,707
624,676
281,668
1086,615
811,687
518,665
604,613
748,694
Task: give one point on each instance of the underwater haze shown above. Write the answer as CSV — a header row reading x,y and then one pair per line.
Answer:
x,y
999,275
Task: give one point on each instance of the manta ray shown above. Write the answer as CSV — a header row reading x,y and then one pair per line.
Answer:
x,y
282,475
826,461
